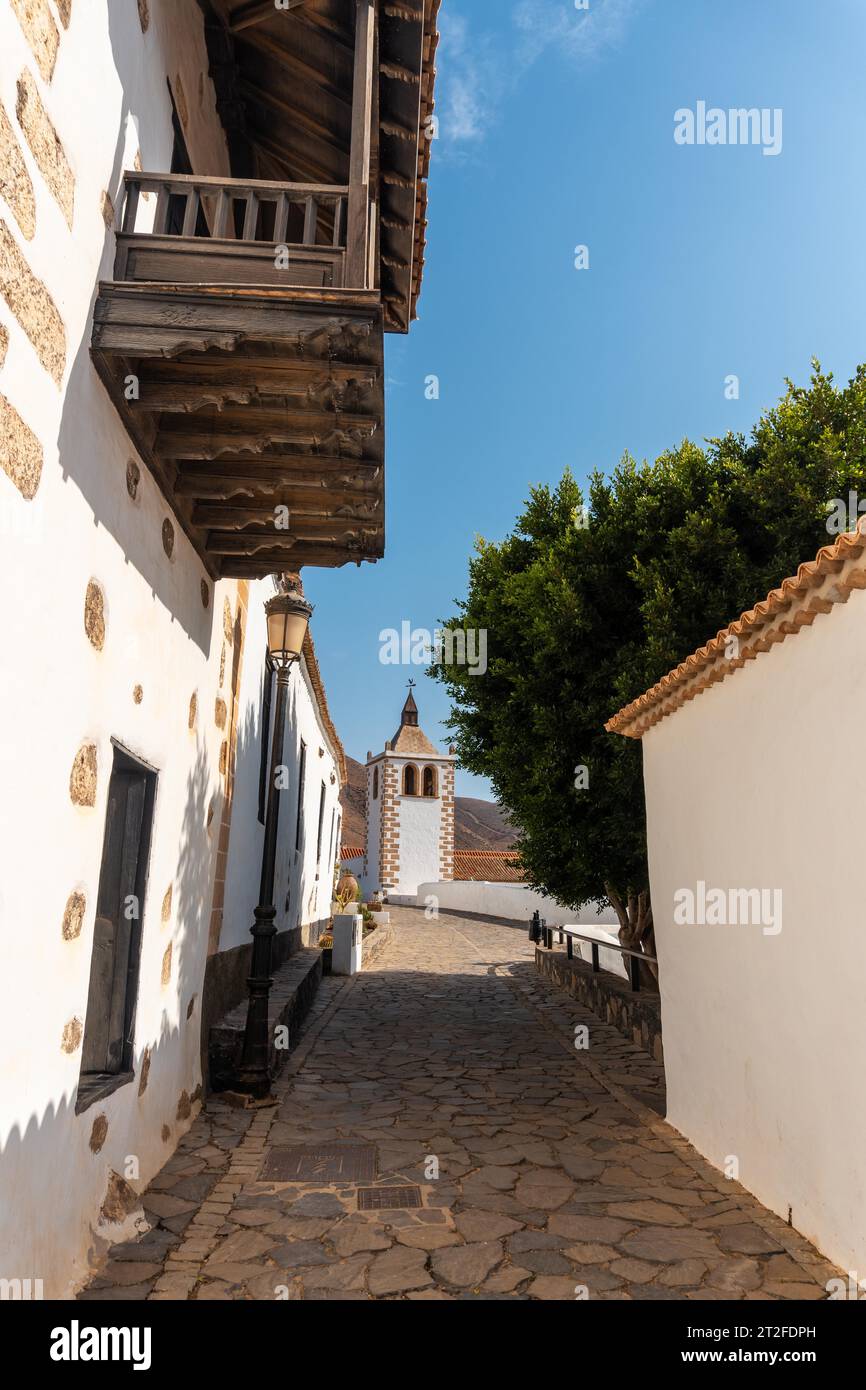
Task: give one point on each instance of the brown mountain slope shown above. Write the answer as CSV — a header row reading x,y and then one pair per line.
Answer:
x,y
478,824
481,825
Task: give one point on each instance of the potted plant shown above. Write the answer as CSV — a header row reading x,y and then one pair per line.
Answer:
x,y
326,943
347,893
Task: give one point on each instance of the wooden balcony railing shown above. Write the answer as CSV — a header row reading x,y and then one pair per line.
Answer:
x,y
232,231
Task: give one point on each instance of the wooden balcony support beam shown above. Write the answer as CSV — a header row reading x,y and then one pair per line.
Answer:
x,y
302,517
315,497
214,480
282,544
322,556
270,375
249,399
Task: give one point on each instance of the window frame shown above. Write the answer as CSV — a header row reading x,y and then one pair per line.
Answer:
x,y
322,799
266,735
410,767
95,1085
299,814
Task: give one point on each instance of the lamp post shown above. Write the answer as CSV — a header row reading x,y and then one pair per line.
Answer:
x,y
288,615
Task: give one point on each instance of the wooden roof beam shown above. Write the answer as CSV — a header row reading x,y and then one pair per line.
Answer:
x,y
258,11
399,73
294,114
302,70
287,160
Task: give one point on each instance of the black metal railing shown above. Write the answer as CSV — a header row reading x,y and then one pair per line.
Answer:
x,y
540,932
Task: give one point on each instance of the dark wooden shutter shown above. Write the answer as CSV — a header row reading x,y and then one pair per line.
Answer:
x,y
106,1030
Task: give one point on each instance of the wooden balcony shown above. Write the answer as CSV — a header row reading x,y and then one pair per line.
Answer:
x,y
210,231
247,371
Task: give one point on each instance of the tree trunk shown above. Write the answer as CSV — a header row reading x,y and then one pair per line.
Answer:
x,y
636,930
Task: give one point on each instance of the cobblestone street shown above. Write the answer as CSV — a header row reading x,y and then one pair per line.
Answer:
x,y
557,1177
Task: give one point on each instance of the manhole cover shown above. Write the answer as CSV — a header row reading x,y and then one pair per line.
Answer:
x,y
388,1198
324,1163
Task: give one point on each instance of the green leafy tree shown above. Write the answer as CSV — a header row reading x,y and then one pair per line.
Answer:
x,y
591,600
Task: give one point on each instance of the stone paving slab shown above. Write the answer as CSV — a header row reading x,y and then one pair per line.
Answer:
x,y
545,1170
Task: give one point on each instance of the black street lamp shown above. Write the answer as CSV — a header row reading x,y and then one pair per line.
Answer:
x,y
288,615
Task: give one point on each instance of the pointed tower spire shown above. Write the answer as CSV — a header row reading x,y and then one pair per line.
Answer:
x,y
409,714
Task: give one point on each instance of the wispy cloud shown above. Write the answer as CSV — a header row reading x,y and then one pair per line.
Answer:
x,y
576,35
478,69
473,76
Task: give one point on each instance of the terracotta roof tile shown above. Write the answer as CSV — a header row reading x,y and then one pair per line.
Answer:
x,y
488,866
817,586
428,83
309,654
410,739
351,852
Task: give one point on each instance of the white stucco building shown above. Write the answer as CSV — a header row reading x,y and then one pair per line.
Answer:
x,y
410,812
135,689
755,831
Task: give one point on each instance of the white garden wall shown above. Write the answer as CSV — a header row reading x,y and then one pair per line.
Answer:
x,y
755,784
516,903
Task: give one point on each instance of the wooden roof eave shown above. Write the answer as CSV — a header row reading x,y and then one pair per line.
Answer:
x,y
401,80
302,125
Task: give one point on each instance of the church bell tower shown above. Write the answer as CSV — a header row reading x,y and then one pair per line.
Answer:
x,y
410,812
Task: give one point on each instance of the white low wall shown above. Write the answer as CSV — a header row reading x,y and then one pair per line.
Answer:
x,y
516,902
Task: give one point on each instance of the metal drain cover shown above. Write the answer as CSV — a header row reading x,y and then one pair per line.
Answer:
x,y
322,1163
388,1198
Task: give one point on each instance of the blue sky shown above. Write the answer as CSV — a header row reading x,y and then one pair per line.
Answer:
x,y
556,130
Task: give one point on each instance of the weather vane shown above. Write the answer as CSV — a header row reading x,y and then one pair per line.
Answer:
x,y
411,683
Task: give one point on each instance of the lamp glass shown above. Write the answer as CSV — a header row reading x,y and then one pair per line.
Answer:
x,y
287,618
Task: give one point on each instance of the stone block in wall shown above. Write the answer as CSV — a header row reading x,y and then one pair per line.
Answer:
x,y
40,31
32,306
16,186
45,144
20,451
